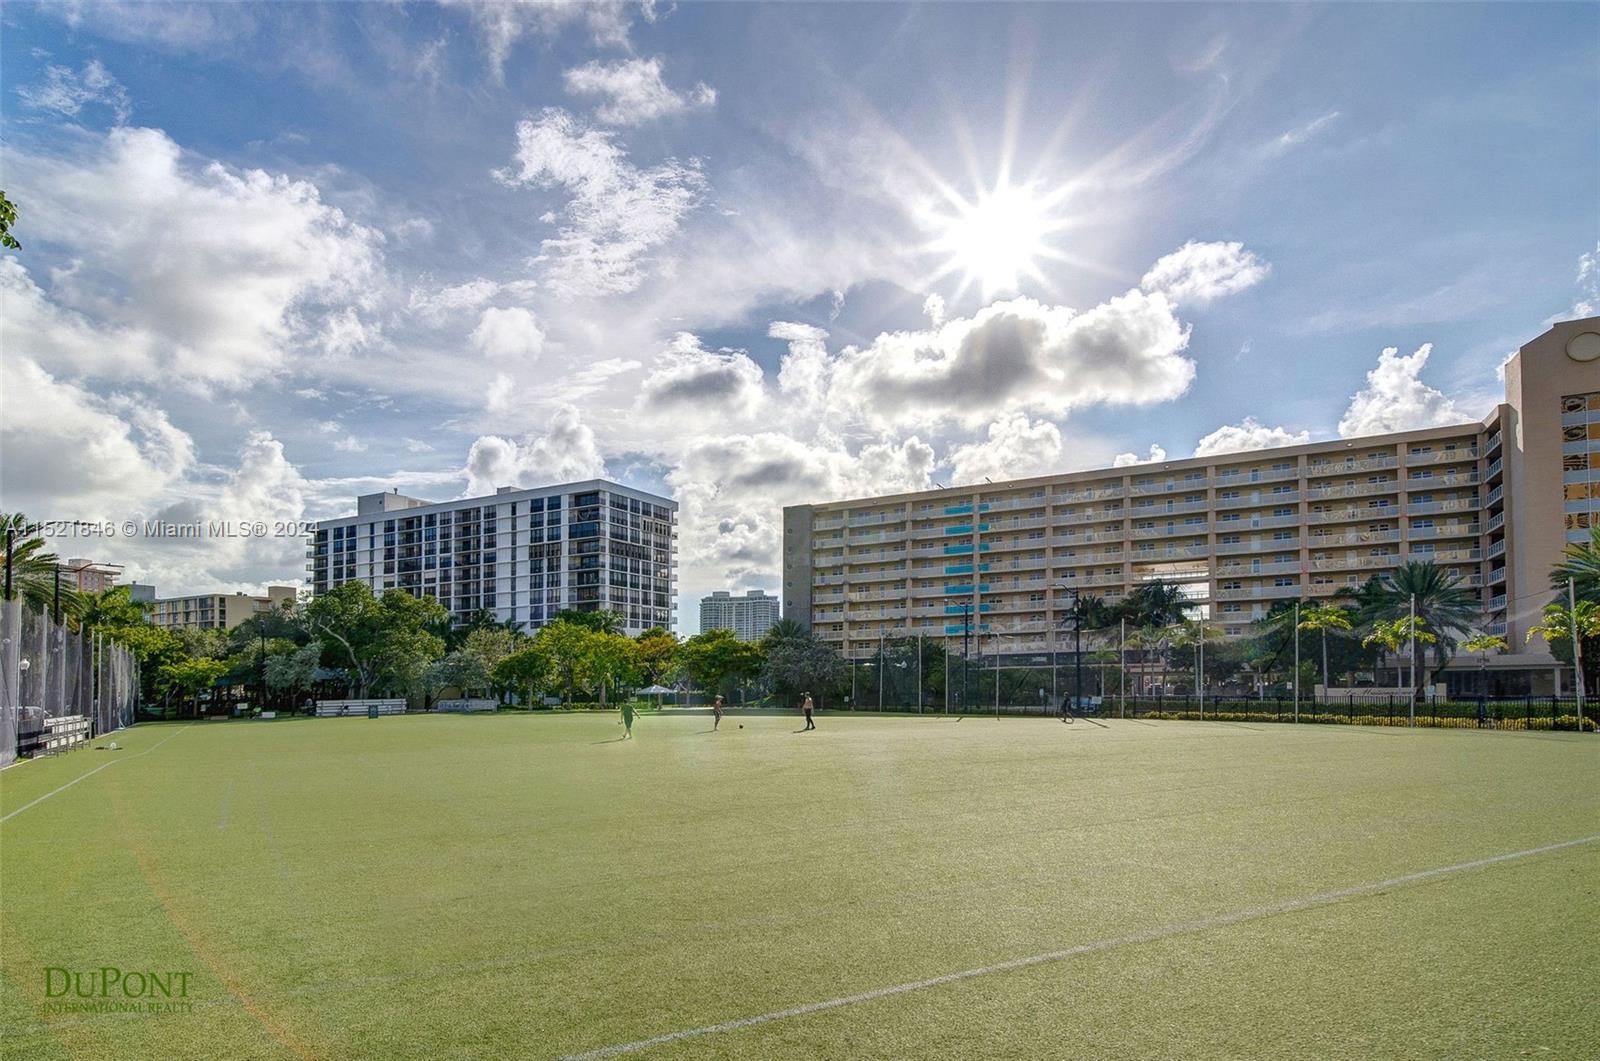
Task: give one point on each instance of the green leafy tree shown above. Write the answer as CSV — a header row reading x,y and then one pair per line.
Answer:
x,y
458,670
8,219
607,661
294,670
34,566
1395,634
562,642
1483,644
191,677
801,664
1319,619
601,622
714,658
386,642
1444,606
658,655
529,669
782,630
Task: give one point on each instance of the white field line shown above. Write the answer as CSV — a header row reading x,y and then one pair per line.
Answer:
x,y
1150,935
86,776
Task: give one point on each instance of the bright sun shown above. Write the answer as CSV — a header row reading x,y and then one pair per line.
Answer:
x,y
998,238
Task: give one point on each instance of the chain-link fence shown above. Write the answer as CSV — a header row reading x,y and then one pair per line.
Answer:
x,y
58,688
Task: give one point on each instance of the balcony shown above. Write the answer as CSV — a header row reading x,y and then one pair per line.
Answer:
x,y
1171,552
1494,469
876,615
876,519
1445,556
1356,563
1496,494
1453,530
1347,467
1238,569
867,596
1497,521
1087,493
835,560
1498,549
1011,504
1145,511
1257,523
1423,508
1277,545
1175,530
1416,481
1037,563
1258,593
1169,486
1084,559
888,555
1264,475
1093,580
1498,577
1030,523
829,580
1493,444
1495,628
893,575
1443,456
880,536
1322,493
1320,541
1497,603
1355,514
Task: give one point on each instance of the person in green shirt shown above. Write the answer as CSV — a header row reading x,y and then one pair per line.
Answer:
x,y
628,713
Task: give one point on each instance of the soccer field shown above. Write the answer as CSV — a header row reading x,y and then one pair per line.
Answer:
x,y
532,886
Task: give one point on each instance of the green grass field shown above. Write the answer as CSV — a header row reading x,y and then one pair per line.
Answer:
x,y
530,886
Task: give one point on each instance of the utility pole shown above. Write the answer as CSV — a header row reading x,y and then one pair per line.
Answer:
x,y
1577,648
1122,666
1077,650
1200,671
881,662
919,674
996,645
966,660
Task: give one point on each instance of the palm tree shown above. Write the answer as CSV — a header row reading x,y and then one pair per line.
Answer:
x,y
1192,634
33,567
1321,618
1580,563
1442,604
783,630
1483,644
1557,622
1155,603
1393,633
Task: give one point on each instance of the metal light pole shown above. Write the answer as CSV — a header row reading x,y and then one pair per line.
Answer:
x,y
1411,660
880,672
966,660
1122,666
919,674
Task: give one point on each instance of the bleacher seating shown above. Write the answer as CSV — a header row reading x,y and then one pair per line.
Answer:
x,y
359,708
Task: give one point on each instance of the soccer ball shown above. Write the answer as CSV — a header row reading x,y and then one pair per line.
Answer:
x,y
741,725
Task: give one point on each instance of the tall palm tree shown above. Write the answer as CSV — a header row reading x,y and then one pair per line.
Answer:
x,y
1192,634
1442,604
1483,644
1157,603
1556,624
1321,618
33,567
1580,562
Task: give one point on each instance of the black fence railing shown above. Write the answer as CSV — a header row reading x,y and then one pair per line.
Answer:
x,y
1518,713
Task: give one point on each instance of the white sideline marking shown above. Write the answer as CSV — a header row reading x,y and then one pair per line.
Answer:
x,y
91,773
1147,936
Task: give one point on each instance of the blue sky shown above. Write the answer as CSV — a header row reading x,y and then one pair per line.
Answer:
x,y
756,254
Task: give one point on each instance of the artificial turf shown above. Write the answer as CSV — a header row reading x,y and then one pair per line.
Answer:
x,y
531,886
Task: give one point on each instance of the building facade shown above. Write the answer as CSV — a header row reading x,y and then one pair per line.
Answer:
x,y
217,611
522,554
749,616
88,576
1493,501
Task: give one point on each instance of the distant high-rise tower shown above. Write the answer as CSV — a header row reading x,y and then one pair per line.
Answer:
x,y
749,616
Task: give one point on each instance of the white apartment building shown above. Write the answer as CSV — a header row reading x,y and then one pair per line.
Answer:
x,y
522,554
749,616
1493,502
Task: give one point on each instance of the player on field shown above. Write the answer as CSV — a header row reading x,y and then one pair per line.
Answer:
x,y
627,719
806,706
716,713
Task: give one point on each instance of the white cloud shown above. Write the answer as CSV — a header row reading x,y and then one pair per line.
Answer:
x,y
1248,434
502,23
933,309
435,305
617,213
73,454
1293,138
1396,399
1018,356
204,273
1015,448
566,452
508,333
633,91
67,93
710,384
1588,281
1198,273
1127,460
350,444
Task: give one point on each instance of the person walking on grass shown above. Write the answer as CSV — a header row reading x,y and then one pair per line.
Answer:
x,y
628,714
806,706
716,713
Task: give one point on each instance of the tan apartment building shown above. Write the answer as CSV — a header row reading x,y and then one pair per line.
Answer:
x,y
1001,562
88,576
217,611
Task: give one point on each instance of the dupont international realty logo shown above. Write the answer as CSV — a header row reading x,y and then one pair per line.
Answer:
x,y
112,989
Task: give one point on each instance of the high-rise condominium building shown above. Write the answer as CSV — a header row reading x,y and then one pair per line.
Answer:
x,y
1494,502
749,616
216,611
522,554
